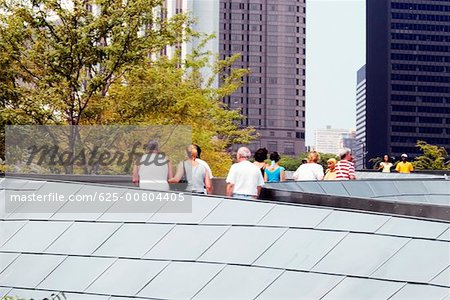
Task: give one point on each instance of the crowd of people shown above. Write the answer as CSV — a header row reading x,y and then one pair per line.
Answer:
x,y
344,169
245,178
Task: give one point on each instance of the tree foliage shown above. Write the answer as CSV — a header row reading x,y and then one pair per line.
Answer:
x,y
99,62
172,91
433,157
62,55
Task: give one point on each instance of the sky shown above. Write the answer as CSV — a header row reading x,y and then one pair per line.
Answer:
x,y
335,50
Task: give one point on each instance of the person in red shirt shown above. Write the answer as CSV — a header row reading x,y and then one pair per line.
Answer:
x,y
345,168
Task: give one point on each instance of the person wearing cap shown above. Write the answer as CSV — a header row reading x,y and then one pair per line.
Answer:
x,y
330,173
244,179
404,166
345,168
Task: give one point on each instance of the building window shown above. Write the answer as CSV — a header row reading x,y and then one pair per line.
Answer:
x,y
255,6
272,133
289,148
253,27
254,58
272,146
254,79
272,18
254,90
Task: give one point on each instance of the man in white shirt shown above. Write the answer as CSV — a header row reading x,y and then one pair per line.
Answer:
x,y
244,179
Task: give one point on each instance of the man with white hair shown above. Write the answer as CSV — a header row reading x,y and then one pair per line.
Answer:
x,y
345,169
244,179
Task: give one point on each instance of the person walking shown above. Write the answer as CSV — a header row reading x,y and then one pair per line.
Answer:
x,y
274,172
404,166
345,168
244,179
311,170
330,173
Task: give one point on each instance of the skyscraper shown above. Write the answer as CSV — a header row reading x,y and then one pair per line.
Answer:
x,y
206,15
270,35
360,148
407,75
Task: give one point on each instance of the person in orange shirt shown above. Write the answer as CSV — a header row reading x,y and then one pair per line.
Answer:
x,y
404,166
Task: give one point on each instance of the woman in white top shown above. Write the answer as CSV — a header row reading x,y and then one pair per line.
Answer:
x,y
153,169
311,170
385,165
193,172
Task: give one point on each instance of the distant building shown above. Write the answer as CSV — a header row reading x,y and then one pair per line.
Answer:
x,y
332,140
206,15
271,37
407,75
349,141
360,148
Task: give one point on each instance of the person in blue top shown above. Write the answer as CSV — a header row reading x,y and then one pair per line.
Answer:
x,y
274,173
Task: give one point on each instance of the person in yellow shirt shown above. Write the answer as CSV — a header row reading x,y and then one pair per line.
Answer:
x,y
330,173
404,166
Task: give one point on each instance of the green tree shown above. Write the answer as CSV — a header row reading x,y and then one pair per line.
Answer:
x,y
62,56
290,163
75,65
433,158
171,92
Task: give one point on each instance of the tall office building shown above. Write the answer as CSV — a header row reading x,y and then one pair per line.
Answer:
x,y
407,75
206,16
360,140
270,35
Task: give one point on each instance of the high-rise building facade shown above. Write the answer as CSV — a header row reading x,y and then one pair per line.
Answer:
x,y
407,75
270,35
206,16
360,140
